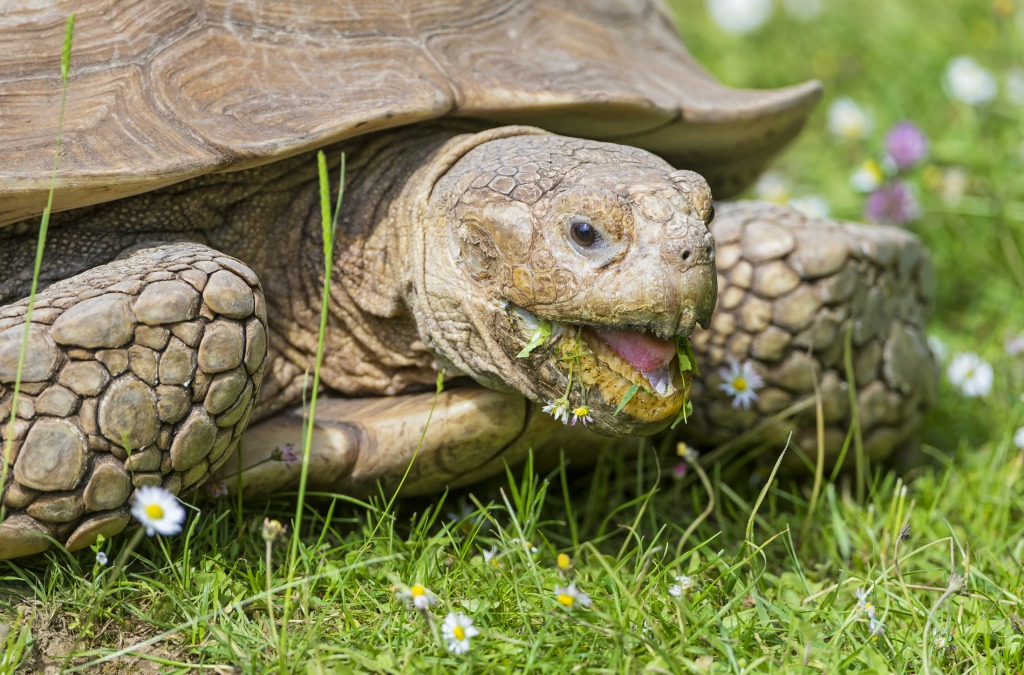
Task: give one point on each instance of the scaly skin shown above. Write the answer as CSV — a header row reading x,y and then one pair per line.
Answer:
x,y
447,238
143,370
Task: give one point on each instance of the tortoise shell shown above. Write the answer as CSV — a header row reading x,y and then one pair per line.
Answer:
x,y
160,92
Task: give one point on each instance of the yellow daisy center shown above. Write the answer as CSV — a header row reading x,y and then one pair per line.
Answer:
x,y
582,411
740,384
459,633
563,561
566,599
154,511
417,590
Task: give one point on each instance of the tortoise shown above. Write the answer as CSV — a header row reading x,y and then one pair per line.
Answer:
x,y
528,209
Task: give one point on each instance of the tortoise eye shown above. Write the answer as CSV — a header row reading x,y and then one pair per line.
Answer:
x,y
583,233
711,215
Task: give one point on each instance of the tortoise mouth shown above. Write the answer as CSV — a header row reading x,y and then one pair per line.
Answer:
x,y
627,377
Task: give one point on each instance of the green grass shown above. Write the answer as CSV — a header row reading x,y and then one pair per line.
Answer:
x,y
774,578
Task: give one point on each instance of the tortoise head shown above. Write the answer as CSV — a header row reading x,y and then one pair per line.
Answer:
x,y
569,270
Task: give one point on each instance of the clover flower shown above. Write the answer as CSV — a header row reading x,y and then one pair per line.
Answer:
x,y
971,374
217,489
1015,345
101,558
892,204
680,470
570,596
158,511
559,409
739,16
457,629
1018,438
906,145
682,586
581,414
848,120
968,82
740,382
417,596
286,454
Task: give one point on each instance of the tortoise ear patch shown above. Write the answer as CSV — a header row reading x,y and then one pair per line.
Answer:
x,y
477,251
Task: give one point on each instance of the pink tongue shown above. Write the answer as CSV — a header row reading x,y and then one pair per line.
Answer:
x,y
640,350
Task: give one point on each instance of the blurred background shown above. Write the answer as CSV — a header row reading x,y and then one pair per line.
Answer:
x,y
922,126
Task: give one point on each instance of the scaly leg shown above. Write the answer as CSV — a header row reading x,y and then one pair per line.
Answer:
x,y
138,372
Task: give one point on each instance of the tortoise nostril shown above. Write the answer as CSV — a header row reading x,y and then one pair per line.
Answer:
x,y
686,254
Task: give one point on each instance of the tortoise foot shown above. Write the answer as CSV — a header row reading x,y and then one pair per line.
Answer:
x,y
138,372
792,290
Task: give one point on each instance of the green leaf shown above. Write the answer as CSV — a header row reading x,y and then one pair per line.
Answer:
x,y
538,338
629,394
687,360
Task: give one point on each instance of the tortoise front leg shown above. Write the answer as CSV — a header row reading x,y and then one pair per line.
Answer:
x,y
138,372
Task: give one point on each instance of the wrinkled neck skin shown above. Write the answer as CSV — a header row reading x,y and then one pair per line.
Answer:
x,y
608,244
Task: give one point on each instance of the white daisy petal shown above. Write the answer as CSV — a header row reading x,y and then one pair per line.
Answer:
x,y
158,511
457,630
971,374
740,381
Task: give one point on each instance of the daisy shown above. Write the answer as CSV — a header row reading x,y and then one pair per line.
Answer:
x,y
875,626
971,374
570,596
683,585
581,414
492,558
457,629
815,206
158,511
848,120
739,16
272,529
772,187
864,604
418,596
740,382
968,82
563,562
868,176
559,409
